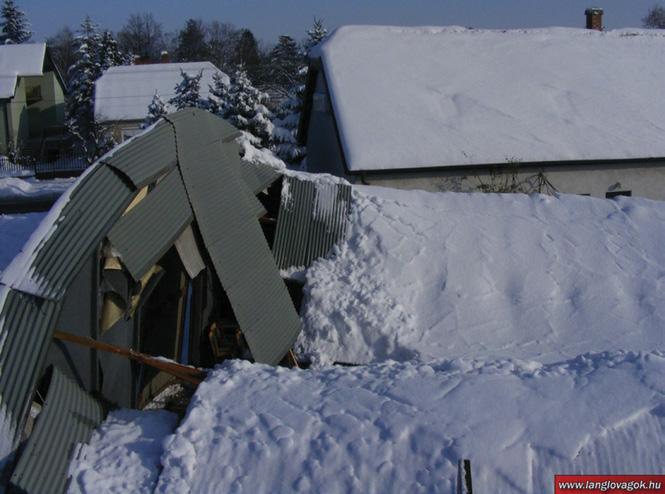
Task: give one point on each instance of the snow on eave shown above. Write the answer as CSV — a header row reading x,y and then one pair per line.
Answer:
x,y
532,95
22,60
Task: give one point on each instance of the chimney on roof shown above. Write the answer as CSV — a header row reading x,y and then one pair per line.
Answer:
x,y
164,57
594,18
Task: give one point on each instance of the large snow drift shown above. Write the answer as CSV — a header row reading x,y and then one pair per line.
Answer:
x,y
446,275
429,96
402,427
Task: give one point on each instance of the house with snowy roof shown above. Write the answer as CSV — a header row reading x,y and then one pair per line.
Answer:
x,y
441,108
32,101
122,94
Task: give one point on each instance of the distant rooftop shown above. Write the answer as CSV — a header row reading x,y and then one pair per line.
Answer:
x,y
412,97
124,93
19,60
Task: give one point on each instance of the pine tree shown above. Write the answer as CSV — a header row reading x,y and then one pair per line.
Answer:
x,y
315,34
108,53
15,26
246,109
283,141
156,110
80,111
285,61
187,91
192,46
218,100
82,76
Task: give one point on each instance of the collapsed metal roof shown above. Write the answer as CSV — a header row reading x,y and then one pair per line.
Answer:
x,y
141,198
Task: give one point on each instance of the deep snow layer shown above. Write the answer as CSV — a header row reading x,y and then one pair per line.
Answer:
x,y
446,275
123,453
401,427
434,96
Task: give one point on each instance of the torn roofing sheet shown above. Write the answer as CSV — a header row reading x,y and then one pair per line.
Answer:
x,y
68,418
313,217
240,254
144,234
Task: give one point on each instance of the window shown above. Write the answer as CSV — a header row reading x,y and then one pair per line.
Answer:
x,y
616,193
33,94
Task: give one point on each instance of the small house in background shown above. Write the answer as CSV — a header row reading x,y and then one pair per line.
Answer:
x,y
32,102
122,94
449,108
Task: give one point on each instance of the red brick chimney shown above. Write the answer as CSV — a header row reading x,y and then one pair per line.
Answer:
x,y
594,18
164,57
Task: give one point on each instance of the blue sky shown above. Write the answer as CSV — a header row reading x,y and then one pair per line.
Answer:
x,y
269,18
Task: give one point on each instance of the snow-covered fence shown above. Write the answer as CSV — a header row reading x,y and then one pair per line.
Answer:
x,y
63,166
14,168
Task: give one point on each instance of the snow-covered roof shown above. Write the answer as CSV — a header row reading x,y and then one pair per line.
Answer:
x,y
411,97
124,93
19,60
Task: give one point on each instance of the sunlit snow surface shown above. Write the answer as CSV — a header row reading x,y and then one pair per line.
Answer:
x,y
402,427
429,276
410,97
522,332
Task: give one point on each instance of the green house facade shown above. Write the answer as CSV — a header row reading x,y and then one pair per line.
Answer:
x,y
32,102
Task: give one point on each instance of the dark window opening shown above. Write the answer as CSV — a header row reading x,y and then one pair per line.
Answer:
x,y
616,193
33,94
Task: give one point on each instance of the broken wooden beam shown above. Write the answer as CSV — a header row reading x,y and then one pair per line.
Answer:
x,y
186,373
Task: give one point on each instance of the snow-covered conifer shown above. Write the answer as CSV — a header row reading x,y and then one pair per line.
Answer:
x,y
315,34
218,99
15,26
285,61
246,109
108,53
283,141
156,109
187,91
82,75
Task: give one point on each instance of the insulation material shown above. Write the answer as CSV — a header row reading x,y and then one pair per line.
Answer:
x,y
189,253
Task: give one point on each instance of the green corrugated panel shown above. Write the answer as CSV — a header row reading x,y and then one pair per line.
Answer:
x,y
95,204
27,323
145,233
257,177
147,156
294,223
212,129
68,417
243,262
313,217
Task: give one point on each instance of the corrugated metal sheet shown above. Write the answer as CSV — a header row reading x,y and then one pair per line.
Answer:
x,y
257,177
148,230
211,128
68,417
313,217
147,156
94,205
27,323
221,202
